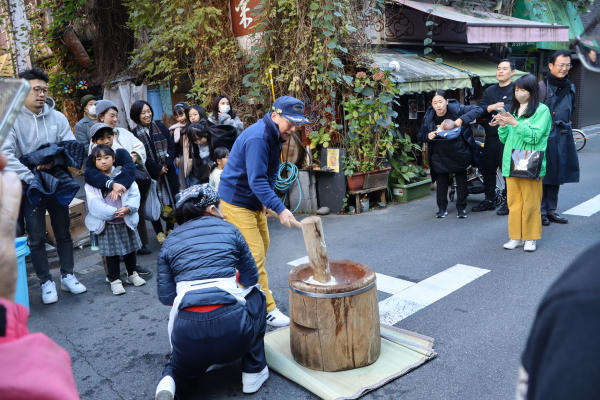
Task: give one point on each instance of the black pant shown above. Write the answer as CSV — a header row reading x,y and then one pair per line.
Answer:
x,y
157,225
35,225
221,336
443,181
492,160
550,199
114,268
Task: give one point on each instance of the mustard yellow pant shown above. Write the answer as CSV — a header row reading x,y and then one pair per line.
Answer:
x,y
524,197
254,228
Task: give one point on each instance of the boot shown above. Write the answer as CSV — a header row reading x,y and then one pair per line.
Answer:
x,y
484,206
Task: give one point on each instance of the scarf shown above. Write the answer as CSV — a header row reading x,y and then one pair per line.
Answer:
x,y
558,82
158,139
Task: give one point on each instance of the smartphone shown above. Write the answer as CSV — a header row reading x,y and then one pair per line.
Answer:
x,y
501,110
12,97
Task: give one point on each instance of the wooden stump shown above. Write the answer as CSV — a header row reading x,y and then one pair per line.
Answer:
x,y
335,327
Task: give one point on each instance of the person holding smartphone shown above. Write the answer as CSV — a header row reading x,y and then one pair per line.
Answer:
x,y
496,98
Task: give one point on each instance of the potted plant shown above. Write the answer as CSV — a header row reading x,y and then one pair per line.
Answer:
x,y
370,137
408,179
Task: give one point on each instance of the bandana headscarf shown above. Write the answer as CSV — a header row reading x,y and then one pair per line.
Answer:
x,y
200,195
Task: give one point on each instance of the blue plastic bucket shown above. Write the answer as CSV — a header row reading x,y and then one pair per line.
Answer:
x,y
22,292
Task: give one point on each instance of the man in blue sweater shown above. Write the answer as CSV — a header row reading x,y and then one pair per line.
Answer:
x,y
247,187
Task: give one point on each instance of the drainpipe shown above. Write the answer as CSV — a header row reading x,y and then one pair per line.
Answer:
x,y
20,33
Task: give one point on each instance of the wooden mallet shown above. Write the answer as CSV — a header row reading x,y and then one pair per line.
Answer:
x,y
314,240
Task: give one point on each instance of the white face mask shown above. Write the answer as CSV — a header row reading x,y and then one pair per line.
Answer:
x,y
92,110
224,108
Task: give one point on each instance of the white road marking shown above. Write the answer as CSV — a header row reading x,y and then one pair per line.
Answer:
x,y
391,285
415,297
299,261
586,209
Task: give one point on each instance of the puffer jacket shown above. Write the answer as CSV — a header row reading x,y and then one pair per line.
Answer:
x,y
100,212
203,248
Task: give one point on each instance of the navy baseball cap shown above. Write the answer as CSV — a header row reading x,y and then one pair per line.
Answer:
x,y
291,109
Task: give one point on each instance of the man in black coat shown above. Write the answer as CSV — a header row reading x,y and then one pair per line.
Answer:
x,y
496,96
562,163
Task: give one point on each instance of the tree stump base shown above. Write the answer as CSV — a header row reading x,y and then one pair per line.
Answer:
x,y
335,327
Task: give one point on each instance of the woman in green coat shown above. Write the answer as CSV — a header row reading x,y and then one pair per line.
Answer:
x,y
527,128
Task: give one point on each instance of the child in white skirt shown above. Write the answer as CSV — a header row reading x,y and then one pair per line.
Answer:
x,y
114,219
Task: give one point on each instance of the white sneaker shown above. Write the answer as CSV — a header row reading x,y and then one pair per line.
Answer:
x,y
165,389
530,245
276,318
49,294
252,382
135,279
513,244
68,283
117,287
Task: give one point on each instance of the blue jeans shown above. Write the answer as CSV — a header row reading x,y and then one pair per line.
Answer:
x,y
35,226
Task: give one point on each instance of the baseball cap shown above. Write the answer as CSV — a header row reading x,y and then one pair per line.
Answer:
x,y
291,109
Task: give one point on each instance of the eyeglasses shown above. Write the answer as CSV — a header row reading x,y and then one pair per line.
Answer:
x,y
561,66
38,90
292,123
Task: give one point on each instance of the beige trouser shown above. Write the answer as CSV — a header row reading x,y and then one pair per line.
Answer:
x,y
253,226
524,197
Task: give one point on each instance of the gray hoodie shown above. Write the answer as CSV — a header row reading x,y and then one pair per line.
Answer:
x,y
30,131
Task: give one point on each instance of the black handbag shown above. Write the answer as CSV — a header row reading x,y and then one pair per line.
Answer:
x,y
526,164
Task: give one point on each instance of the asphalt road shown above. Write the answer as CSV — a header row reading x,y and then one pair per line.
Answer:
x,y
118,344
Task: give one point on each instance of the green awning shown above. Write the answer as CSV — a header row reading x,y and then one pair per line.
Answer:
x,y
556,12
475,67
418,74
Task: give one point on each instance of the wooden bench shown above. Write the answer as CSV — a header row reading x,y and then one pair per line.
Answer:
x,y
357,194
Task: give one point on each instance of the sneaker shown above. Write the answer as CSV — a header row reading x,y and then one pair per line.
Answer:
x,y
161,238
461,214
276,318
144,251
117,287
169,232
135,279
142,270
251,383
530,245
512,244
49,294
165,389
503,210
484,206
68,283
441,213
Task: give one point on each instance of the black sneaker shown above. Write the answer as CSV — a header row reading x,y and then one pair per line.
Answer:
x,y
441,214
484,206
142,270
144,251
461,214
503,210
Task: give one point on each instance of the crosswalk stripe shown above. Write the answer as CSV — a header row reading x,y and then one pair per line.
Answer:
x,y
299,261
418,296
391,285
586,209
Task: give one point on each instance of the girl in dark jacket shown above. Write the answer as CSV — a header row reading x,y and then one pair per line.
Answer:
x,y
160,156
447,157
213,319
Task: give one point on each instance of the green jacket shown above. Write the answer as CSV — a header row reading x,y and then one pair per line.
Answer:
x,y
529,134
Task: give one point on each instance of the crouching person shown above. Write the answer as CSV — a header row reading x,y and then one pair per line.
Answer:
x,y
215,318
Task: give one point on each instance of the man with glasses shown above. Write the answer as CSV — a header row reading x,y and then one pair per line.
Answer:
x,y
37,124
562,163
247,186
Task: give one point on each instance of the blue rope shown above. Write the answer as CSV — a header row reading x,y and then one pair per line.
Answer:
x,y
284,184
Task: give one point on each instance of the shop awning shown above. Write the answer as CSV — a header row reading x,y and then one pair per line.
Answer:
x,y
418,74
556,12
475,67
486,27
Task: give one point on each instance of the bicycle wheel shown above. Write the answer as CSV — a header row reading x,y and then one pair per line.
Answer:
x,y
580,139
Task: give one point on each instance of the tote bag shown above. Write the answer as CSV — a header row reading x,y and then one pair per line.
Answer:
x,y
153,203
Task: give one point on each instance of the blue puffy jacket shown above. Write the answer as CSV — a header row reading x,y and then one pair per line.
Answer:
x,y
203,248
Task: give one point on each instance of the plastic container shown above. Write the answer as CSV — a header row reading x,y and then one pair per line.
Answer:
x,y
22,292
412,191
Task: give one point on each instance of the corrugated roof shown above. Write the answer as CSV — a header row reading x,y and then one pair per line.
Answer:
x,y
418,74
476,67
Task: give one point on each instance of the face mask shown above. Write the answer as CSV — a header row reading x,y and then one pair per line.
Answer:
x,y
522,97
92,110
224,108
